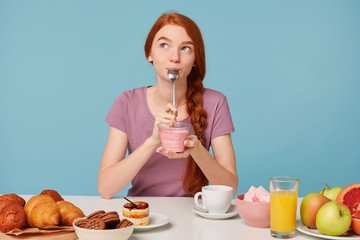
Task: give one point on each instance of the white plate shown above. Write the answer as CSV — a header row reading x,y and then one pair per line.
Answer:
x,y
230,213
314,232
156,220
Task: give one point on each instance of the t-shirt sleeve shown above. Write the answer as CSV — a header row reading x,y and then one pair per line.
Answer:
x,y
222,119
116,115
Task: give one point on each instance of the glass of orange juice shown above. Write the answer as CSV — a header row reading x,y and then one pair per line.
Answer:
x,y
283,205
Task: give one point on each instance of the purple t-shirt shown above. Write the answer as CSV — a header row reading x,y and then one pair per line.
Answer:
x,y
161,176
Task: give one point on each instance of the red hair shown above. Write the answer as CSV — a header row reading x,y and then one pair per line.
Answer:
x,y
194,178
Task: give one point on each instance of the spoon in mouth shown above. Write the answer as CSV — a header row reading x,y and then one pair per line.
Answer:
x,y
173,75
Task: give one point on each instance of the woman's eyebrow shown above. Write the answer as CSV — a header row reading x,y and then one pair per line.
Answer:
x,y
169,40
188,42
164,38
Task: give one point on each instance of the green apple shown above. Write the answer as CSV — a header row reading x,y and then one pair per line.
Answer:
x,y
309,207
333,218
331,193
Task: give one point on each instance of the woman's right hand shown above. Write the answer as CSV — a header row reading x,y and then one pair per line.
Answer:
x,y
167,114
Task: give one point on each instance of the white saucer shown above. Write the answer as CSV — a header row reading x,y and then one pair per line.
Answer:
x,y
156,220
230,213
314,232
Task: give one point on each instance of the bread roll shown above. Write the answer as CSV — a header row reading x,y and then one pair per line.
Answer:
x,y
5,202
52,193
13,197
69,212
42,211
12,216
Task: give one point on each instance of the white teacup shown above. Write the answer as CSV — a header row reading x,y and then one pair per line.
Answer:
x,y
215,199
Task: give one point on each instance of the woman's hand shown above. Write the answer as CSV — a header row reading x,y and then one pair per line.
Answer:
x,y
167,114
191,144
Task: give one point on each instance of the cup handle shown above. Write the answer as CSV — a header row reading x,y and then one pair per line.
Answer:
x,y
196,201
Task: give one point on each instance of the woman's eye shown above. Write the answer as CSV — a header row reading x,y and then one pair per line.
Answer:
x,y
186,49
163,45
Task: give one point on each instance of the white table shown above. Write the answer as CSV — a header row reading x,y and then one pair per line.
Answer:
x,y
184,223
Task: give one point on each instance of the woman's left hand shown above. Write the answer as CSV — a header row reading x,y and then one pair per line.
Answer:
x,y
190,143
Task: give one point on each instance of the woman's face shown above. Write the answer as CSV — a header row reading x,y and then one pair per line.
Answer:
x,y
172,49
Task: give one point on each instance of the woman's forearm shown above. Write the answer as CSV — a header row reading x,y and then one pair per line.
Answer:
x,y
213,170
114,178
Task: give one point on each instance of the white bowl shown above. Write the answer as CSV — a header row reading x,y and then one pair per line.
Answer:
x,y
109,234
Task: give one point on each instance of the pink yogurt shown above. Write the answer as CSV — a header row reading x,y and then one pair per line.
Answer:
x,y
173,135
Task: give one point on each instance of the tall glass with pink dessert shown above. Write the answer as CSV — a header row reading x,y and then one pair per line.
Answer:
x,y
173,135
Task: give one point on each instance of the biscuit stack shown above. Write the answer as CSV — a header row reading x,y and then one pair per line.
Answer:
x,y
101,220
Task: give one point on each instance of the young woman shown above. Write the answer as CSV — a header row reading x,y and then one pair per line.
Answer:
x,y
174,43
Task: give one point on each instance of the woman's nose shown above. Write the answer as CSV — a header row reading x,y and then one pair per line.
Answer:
x,y
175,56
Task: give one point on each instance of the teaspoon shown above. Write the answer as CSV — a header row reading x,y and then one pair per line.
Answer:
x,y
173,75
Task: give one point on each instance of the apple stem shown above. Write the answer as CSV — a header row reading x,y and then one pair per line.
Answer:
x,y
327,185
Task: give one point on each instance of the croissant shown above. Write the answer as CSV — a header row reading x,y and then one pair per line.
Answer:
x,y
42,211
69,212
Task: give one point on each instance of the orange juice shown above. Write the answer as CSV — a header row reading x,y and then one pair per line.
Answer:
x,y
283,205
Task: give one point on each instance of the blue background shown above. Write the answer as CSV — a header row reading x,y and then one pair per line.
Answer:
x,y
290,70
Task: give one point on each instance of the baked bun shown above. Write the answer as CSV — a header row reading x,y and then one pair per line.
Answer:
x,y
13,197
5,202
12,216
52,193
139,214
69,212
42,211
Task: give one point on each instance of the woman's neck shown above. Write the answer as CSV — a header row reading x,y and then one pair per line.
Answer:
x,y
159,96
162,93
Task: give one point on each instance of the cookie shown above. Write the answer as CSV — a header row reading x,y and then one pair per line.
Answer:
x,y
95,224
82,222
111,219
123,224
96,214
113,212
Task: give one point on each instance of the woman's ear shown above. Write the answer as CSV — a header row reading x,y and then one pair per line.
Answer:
x,y
150,59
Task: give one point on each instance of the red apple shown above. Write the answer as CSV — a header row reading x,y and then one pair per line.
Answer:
x,y
309,207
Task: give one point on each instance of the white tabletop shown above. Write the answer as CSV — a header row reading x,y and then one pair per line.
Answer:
x,y
184,223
